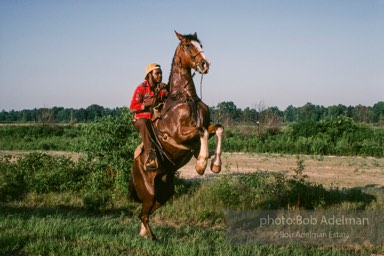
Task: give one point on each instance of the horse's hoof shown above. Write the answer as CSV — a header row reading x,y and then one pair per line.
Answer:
x,y
201,165
215,168
199,170
150,237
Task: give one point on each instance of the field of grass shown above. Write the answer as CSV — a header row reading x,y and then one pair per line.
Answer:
x,y
56,205
192,223
341,137
73,231
64,232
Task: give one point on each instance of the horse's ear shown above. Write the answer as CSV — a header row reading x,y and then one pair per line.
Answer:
x,y
195,35
180,36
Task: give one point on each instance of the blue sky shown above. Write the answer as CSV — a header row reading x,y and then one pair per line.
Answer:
x,y
280,52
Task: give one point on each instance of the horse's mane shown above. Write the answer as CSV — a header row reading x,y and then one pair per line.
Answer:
x,y
188,37
192,37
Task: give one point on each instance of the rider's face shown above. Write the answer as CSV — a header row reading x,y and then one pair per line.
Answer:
x,y
157,76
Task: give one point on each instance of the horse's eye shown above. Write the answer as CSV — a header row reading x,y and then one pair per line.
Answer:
x,y
188,45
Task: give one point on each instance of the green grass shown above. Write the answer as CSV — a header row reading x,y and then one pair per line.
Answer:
x,y
191,223
54,206
40,137
60,231
341,137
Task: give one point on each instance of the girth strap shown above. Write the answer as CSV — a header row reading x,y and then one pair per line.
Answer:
x,y
157,143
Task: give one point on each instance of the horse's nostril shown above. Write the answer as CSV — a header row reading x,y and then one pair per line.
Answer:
x,y
205,65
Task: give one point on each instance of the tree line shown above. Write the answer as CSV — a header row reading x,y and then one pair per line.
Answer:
x,y
58,115
225,112
228,113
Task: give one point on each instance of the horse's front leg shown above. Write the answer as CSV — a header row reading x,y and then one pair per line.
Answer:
x,y
216,162
202,159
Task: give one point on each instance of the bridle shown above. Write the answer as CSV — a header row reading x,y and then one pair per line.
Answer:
x,y
193,58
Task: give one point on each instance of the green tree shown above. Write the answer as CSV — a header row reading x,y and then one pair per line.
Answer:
x,y
249,115
306,112
290,114
80,115
94,111
336,111
378,112
227,113
361,114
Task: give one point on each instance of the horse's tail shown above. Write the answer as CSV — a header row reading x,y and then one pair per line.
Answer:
x,y
132,191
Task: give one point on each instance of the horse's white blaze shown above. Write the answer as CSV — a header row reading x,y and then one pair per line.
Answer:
x,y
200,50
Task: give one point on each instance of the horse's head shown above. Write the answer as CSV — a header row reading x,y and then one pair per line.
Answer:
x,y
192,54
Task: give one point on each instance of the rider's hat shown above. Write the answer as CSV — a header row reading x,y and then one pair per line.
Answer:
x,y
151,67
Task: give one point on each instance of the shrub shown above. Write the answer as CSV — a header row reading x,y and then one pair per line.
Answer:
x,y
247,191
109,144
44,173
267,191
40,173
12,183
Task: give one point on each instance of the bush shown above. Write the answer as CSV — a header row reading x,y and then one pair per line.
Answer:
x,y
12,182
109,143
104,171
247,191
44,173
40,173
272,191
340,136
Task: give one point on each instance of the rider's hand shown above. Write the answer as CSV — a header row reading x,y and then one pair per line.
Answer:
x,y
148,101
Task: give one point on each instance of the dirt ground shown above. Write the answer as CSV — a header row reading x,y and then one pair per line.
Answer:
x,y
326,170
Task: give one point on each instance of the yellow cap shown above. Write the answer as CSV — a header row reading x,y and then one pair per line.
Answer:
x,y
150,67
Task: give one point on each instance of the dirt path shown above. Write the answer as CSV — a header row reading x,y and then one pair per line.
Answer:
x,y
326,170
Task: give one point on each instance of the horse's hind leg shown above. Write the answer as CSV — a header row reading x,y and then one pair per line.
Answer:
x,y
216,162
145,229
144,187
155,198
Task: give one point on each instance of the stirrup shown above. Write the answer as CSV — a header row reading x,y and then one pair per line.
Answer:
x,y
151,163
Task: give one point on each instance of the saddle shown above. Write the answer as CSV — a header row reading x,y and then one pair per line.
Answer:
x,y
161,137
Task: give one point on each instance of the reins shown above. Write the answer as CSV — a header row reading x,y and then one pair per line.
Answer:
x,y
189,99
183,89
201,87
193,57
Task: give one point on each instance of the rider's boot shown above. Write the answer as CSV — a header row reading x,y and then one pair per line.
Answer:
x,y
151,163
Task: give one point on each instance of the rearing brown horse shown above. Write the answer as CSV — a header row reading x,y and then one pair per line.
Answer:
x,y
182,131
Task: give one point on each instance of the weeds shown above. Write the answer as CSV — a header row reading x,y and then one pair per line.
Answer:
x,y
339,136
68,223
51,205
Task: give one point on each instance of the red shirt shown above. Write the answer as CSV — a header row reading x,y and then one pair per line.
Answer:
x,y
137,103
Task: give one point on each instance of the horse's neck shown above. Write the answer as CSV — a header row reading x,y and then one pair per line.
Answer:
x,y
181,81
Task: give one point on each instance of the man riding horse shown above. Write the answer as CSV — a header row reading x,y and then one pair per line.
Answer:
x,y
181,132
150,92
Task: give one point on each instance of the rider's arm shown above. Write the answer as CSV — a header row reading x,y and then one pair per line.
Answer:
x,y
137,102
